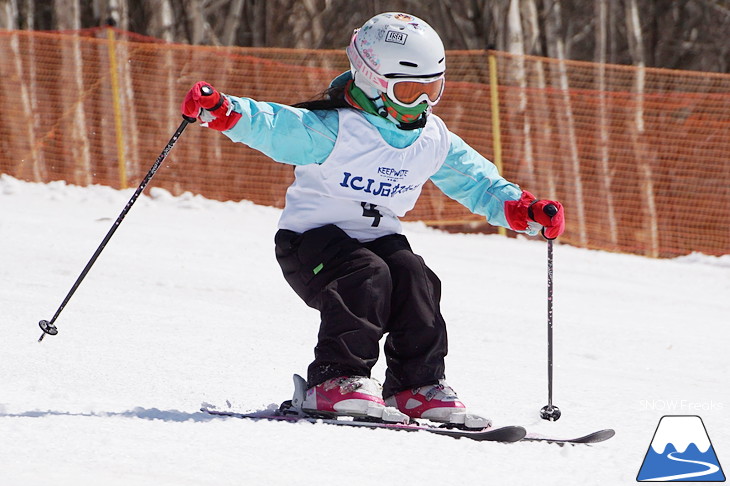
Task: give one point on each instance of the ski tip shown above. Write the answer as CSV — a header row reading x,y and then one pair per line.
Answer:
x,y
510,433
592,438
597,436
605,434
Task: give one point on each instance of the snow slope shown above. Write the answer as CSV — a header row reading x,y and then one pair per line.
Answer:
x,y
187,306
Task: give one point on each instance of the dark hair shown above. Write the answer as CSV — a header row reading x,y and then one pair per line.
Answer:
x,y
330,99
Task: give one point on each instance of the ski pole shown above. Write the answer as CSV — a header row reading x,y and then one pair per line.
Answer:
x,y
49,327
550,412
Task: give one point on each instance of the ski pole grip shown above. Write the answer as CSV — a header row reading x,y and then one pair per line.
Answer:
x,y
551,210
205,90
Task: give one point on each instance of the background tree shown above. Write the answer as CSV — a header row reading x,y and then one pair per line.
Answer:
x,y
676,34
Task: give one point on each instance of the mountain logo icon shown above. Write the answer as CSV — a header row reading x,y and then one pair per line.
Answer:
x,y
681,451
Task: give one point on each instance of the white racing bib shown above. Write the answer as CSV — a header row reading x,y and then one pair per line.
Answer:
x,y
365,184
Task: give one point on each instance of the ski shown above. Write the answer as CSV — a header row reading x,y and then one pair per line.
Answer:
x,y
510,433
592,438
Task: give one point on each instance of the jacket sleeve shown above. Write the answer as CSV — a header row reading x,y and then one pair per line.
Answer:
x,y
475,182
290,135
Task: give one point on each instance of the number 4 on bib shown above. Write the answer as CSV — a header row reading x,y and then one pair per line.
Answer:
x,y
369,211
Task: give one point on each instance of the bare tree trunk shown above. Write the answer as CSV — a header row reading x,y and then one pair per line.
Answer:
x,y
498,12
161,20
566,123
543,126
107,130
118,12
260,24
636,48
196,20
162,26
72,78
233,20
530,27
29,8
8,14
614,12
307,23
457,26
40,172
603,121
23,129
129,112
518,76
25,83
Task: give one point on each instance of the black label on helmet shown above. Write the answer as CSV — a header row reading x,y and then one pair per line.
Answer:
x,y
396,37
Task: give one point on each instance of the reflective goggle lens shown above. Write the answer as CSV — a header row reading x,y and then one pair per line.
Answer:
x,y
408,92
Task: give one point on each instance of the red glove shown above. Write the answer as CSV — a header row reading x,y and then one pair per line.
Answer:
x,y
213,108
528,208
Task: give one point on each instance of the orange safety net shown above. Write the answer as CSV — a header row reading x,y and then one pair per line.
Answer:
x,y
639,157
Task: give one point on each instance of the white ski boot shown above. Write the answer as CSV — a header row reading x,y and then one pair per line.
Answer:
x,y
438,403
355,396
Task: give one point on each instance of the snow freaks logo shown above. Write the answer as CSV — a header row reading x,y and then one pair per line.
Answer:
x,y
681,451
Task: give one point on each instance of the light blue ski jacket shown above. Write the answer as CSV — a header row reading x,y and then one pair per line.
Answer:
x,y
298,136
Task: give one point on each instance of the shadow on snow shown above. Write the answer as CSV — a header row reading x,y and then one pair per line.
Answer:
x,y
138,412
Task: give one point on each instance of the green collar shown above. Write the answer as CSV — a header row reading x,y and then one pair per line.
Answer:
x,y
403,115
357,98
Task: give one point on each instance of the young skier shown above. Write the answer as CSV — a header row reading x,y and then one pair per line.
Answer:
x,y
362,155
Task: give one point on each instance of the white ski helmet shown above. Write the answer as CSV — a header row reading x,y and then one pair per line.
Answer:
x,y
399,55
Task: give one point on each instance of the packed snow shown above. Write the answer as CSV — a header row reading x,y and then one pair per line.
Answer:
x,y
187,306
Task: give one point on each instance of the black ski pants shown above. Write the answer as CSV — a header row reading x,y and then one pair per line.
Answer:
x,y
362,291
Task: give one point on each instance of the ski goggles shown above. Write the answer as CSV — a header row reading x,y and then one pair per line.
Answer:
x,y
412,91
403,89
